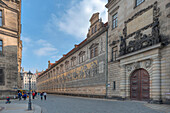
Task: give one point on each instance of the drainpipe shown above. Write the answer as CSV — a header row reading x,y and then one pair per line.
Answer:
x,y
106,62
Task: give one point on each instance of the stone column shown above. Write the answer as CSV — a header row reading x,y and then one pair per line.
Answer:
x,y
156,80
123,81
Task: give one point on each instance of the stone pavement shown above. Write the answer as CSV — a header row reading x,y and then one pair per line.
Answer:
x,y
161,107
18,108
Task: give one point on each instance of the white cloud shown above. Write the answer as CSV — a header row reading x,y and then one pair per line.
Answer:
x,y
26,39
45,48
40,47
56,57
75,21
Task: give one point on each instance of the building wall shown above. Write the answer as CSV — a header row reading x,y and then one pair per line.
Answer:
x,y
88,77
9,34
130,20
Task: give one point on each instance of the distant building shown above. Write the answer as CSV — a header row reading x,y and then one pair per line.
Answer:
x,y
25,85
10,46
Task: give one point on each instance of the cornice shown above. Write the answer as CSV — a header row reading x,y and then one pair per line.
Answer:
x,y
8,34
3,5
112,3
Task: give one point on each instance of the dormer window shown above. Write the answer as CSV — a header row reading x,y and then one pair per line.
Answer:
x,y
95,28
93,50
73,61
92,31
61,68
81,56
67,65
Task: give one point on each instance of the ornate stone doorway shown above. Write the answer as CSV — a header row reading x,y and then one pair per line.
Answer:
x,y
139,85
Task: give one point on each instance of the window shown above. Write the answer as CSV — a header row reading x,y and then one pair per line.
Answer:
x,y
114,85
114,53
81,56
67,65
1,47
57,70
94,52
73,61
138,2
61,68
92,30
95,28
1,77
114,21
0,17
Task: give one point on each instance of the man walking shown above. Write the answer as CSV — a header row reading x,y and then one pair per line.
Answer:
x,y
45,95
19,96
41,94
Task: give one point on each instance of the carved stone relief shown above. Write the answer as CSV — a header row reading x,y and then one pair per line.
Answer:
x,y
137,65
129,68
141,40
148,63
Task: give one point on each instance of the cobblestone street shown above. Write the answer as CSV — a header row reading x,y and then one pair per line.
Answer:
x,y
67,104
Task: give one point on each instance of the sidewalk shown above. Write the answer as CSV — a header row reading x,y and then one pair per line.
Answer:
x,y
161,107
18,108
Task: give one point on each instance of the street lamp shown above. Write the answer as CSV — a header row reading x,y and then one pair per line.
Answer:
x,y
29,103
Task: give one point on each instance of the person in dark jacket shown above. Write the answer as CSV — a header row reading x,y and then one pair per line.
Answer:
x,y
41,95
19,96
25,96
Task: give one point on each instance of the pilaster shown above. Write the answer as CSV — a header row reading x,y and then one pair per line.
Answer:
x,y
156,80
123,81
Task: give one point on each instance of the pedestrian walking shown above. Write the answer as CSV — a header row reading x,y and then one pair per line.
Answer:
x,y
41,94
19,96
25,96
8,100
33,95
45,95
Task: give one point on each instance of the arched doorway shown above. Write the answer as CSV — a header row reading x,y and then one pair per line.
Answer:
x,y
139,85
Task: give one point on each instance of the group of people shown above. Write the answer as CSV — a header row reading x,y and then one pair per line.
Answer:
x,y
24,96
43,94
20,96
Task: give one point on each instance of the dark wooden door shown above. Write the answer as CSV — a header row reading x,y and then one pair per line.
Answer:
x,y
139,85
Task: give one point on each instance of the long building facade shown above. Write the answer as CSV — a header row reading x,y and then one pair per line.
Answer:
x,y
139,50
138,56
10,46
81,71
